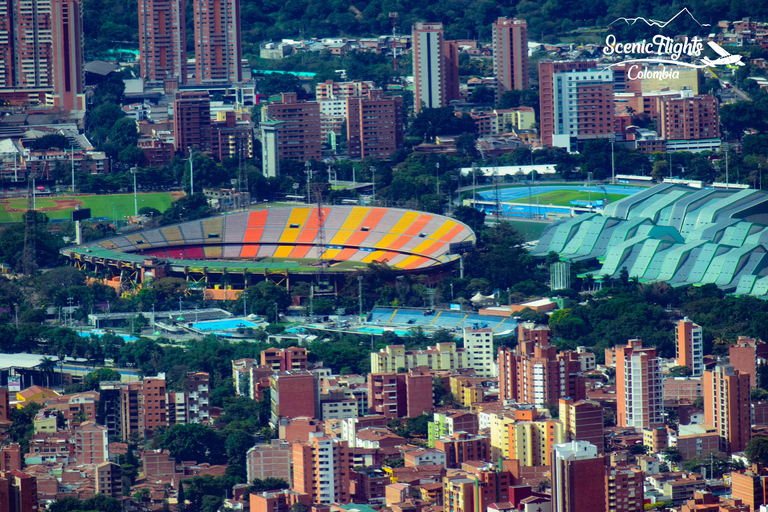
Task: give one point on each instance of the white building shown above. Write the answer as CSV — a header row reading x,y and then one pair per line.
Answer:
x,y
568,109
478,343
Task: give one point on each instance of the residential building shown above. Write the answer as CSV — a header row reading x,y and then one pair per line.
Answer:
x,y
297,129
374,125
218,50
578,478
91,443
192,121
727,406
689,117
624,490
231,137
399,395
293,395
178,408
279,501
269,461
198,384
510,54
532,442
461,447
321,469
435,67
576,102
369,484
447,422
22,491
10,457
478,342
109,478
330,89
708,502
690,346
746,355
443,356
750,486
162,40
129,409
152,405
284,359
639,392
424,457
696,441
655,439
41,53
544,375
583,421
67,54
475,487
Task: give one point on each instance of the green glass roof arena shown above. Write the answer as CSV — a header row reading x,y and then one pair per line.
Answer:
x,y
673,233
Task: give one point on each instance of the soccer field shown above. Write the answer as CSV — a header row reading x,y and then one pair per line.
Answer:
x,y
112,206
564,197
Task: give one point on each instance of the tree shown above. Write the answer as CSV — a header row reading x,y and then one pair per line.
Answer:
x,y
757,450
265,298
672,455
237,443
267,484
472,217
47,366
680,371
194,442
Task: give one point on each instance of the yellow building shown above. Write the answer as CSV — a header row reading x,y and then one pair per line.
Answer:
x,y
532,442
443,356
466,390
34,394
527,435
520,118
45,421
458,492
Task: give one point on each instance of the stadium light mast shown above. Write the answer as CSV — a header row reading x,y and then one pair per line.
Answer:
x,y
135,196
72,162
191,174
613,164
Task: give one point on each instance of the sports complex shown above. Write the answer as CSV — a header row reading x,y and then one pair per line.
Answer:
x,y
281,244
684,235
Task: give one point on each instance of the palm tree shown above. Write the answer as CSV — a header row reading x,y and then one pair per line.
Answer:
x,y
47,365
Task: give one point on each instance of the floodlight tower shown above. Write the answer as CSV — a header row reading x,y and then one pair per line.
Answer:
x,y
393,17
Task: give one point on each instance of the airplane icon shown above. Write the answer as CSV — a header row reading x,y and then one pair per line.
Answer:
x,y
725,57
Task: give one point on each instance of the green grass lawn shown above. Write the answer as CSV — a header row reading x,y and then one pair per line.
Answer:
x,y
564,197
115,205
528,230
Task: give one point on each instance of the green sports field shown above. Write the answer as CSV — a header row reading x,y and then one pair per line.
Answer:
x,y
564,197
112,206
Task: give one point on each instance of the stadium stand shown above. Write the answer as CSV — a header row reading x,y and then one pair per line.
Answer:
x,y
449,320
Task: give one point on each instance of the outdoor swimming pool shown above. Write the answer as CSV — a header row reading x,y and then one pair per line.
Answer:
x,y
379,330
216,325
99,333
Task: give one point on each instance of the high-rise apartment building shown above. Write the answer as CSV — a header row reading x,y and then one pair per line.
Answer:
x,y
293,395
192,122
67,56
746,355
576,103
690,346
91,443
624,490
583,421
374,125
321,469
478,342
400,395
727,406
178,408
129,409
109,476
298,135
639,391
198,393
218,50
152,405
41,53
269,461
462,446
545,376
162,40
442,356
578,478
510,54
689,117
435,67
284,359
532,442
22,495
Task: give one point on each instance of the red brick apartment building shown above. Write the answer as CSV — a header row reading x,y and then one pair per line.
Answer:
x,y
192,122
689,117
162,40
284,359
398,395
298,137
374,125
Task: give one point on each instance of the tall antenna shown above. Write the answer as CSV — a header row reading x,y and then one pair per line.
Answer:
x,y
320,238
496,191
393,16
29,259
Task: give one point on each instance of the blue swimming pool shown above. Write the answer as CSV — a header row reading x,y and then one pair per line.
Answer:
x,y
378,330
99,333
215,325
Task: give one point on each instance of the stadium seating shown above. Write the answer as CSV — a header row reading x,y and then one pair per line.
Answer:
x,y
400,238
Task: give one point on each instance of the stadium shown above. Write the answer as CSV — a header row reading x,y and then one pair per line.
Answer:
x,y
680,234
282,244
